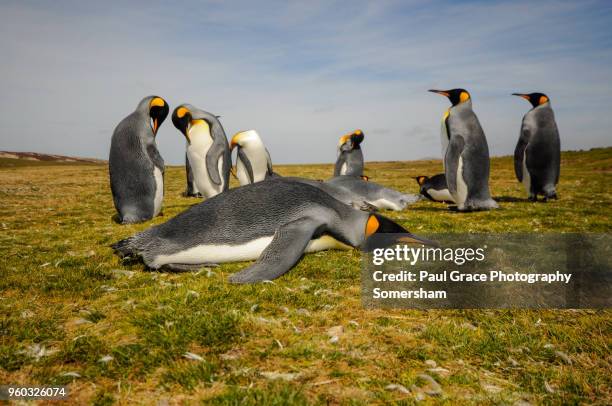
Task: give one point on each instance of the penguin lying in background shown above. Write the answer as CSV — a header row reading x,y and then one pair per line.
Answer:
x,y
537,157
135,166
374,194
435,188
350,156
275,222
253,164
192,189
207,148
466,163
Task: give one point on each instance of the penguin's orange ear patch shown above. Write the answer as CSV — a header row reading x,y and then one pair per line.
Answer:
x,y
421,180
157,101
364,177
464,96
180,113
543,99
371,226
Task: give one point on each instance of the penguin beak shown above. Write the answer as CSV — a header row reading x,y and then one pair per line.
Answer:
x,y
234,141
442,92
524,96
155,126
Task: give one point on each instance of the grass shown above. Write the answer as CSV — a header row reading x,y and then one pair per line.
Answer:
x,y
71,314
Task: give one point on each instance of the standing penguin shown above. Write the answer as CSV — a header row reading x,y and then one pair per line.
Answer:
x,y
207,148
253,162
350,156
466,162
537,157
136,168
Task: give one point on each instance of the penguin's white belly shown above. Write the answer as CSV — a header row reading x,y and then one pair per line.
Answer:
x,y
241,173
388,204
443,141
159,191
251,250
440,195
197,160
462,188
526,175
343,169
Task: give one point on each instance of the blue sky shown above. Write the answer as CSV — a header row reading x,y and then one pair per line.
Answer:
x,y
302,73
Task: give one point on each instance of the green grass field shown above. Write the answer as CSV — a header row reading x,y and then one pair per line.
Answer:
x,y
72,313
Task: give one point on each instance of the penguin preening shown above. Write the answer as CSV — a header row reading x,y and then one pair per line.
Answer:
x,y
466,161
537,157
253,163
435,188
135,166
207,148
350,156
275,222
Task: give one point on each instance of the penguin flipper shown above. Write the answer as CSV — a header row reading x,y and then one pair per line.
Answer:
x,y
217,149
453,152
287,247
269,162
519,152
246,163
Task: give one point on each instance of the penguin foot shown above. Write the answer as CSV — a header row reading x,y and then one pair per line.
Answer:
x,y
533,198
365,206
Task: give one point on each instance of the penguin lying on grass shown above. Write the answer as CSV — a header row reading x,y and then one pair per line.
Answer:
x,y
135,166
350,156
207,149
253,164
466,161
537,157
435,188
274,222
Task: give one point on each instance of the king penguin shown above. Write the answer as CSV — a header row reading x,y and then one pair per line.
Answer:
x,y
135,166
253,162
466,161
350,156
274,222
207,148
434,188
537,157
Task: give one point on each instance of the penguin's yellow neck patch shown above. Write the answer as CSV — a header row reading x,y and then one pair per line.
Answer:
x,y
371,226
464,96
446,114
543,99
157,101
180,113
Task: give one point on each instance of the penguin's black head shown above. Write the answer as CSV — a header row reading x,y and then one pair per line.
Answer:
x,y
388,233
421,180
158,111
455,96
181,117
356,138
534,98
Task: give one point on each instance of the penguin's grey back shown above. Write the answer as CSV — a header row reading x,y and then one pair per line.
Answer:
x,y
544,147
240,215
132,159
476,165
